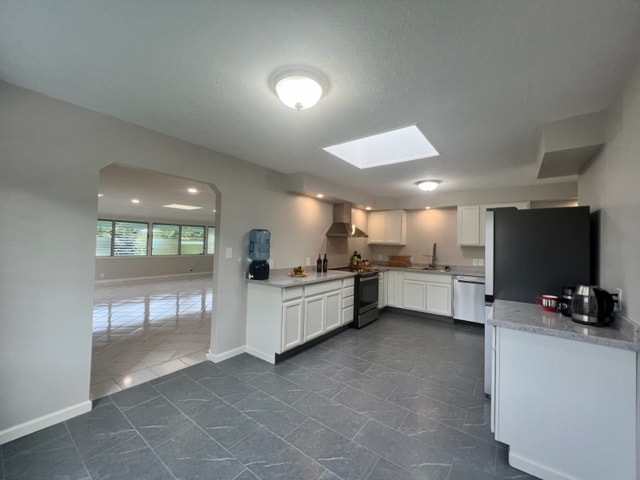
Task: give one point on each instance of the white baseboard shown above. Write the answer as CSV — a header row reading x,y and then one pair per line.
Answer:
x,y
536,469
261,355
219,357
45,421
151,277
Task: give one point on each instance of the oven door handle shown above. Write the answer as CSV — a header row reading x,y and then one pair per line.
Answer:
x,y
373,278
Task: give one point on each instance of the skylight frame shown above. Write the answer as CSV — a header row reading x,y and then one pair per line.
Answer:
x,y
386,148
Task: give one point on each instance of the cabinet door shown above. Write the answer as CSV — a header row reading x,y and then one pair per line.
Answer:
x,y
439,298
469,225
394,289
313,317
333,310
376,226
382,290
291,324
415,295
347,315
396,227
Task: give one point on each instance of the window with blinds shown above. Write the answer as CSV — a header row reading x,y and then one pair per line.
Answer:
x,y
103,238
191,240
211,239
165,239
130,238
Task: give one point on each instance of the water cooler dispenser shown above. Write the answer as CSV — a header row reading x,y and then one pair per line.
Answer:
x,y
259,251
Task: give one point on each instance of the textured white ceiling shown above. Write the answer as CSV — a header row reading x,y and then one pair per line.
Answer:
x,y
479,77
120,184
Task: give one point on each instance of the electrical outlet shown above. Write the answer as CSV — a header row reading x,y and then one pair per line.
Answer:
x,y
475,262
619,292
307,261
229,253
481,262
102,275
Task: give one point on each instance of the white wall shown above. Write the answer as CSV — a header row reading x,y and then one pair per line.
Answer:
x,y
610,185
426,227
50,156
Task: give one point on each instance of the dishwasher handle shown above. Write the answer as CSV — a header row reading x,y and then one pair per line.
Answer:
x,y
469,281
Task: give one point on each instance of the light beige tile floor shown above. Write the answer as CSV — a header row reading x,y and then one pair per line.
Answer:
x,y
148,328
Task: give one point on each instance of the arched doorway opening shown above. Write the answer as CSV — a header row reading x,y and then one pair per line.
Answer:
x,y
153,294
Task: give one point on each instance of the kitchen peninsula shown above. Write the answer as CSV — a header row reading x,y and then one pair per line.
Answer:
x,y
564,395
286,312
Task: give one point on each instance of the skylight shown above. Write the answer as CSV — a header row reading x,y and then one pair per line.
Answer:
x,y
181,206
396,146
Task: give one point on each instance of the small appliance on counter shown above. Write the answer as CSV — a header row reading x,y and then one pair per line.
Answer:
x,y
259,251
564,301
592,305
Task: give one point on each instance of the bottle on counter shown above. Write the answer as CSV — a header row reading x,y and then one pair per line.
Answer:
x,y
354,258
319,264
325,263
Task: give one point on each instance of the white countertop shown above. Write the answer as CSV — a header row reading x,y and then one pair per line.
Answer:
x,y
528,317
280,278
454,270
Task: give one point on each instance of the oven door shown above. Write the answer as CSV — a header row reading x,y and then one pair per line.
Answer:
x,y
367,299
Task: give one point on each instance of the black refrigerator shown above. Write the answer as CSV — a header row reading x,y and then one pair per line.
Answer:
x,y
533,252
536,251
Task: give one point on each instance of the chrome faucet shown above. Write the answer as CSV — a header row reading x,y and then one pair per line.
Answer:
x,y
433,257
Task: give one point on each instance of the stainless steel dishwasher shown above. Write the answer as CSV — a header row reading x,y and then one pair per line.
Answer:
x,y
468,299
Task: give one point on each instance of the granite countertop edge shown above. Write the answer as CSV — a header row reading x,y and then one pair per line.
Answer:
x,y
622,334
454,270
280,278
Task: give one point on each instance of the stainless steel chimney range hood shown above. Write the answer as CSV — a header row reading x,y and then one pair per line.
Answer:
x,y
342,225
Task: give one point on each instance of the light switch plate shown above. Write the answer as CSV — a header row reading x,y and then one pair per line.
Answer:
x,y
475,262
229,252
481,262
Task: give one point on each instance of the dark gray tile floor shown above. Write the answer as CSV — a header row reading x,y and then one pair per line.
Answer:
x,y
400,399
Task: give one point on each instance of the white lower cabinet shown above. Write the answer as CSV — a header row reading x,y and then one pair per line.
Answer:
x,y
314,317
567,409
414,294
425,292
279,319
292,324
382,289
394,288
439,298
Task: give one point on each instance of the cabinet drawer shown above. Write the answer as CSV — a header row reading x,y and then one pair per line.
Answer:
x,y
317,288
348,292
347,301
291,293
428,277
348,282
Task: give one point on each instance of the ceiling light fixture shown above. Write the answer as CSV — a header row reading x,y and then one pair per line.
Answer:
x,y
367,208
299,88
320,195
135,200
428,185
192,190
181,206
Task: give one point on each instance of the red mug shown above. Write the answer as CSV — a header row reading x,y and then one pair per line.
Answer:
x,y
547,302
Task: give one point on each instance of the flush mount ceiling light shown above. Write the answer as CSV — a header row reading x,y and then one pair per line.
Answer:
x,y
428,185
298,88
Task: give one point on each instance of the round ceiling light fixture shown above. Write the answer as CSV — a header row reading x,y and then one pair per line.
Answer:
x,y
299,88
428,185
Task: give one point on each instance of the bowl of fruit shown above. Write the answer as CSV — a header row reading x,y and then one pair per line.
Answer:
x,y
298,272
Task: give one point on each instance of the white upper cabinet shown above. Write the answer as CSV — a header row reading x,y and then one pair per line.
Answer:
x,y
388,227
471,222
469,225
